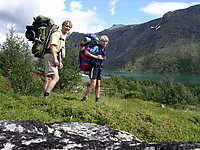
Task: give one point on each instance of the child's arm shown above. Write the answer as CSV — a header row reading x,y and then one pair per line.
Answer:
x,y
94,56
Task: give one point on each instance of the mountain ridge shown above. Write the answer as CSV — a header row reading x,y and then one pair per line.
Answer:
x,y
169,44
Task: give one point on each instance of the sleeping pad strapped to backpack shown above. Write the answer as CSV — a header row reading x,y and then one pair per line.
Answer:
x,y
87,42
39,33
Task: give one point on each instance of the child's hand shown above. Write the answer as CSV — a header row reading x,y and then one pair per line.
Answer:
x,y
99,57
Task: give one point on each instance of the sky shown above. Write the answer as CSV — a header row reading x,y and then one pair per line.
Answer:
x,y
87,16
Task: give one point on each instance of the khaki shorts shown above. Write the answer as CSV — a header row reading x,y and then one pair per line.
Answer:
x,y
50,68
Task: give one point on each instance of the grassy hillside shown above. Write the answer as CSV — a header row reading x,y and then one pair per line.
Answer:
x,y
146,120
175,59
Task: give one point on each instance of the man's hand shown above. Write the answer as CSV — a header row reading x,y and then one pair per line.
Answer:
x,y
56,62
60,65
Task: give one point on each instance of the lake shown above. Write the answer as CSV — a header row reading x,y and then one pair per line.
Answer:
x,y
158,77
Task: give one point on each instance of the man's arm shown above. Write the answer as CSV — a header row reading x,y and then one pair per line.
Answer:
x,y
54,54
60,60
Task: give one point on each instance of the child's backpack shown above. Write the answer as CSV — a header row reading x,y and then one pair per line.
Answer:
x,y
39,33
87,42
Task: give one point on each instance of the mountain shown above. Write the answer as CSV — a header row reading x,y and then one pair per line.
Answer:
x,y
170,44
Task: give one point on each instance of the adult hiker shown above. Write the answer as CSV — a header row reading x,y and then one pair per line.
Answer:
x,y
98,55
53,57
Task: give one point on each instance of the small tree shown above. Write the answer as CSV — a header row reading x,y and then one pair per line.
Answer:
x,y
17,64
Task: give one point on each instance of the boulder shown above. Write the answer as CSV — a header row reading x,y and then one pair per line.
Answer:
x,y
30,134
35,135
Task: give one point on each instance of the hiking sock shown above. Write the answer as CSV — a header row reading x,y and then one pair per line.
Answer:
x,y
97,99
46,94
84,99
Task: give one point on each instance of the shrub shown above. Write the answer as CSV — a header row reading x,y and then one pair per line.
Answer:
x,y
5,85
134,94
166,92
35,87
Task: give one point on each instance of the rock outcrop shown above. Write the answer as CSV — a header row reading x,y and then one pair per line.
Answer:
x,y
34,135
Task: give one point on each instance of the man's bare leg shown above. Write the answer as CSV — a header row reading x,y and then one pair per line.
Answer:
x,y
47,80
50,83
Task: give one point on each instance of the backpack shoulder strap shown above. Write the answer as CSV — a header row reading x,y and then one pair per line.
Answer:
x,y
61,37
100,49
62,49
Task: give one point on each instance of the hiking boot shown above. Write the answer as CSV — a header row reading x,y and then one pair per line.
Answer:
x,y
46,95
84,99
97,100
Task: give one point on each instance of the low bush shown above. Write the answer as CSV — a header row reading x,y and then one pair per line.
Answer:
x,y
166,92
5,85
134,94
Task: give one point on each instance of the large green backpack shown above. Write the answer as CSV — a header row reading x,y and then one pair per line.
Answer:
x,y
39,33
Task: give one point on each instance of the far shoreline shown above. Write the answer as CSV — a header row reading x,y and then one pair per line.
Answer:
x,y
85,77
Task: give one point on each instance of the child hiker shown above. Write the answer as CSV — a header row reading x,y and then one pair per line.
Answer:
x,y
98,55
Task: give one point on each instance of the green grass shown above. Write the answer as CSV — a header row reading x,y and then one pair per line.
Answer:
x,y
146,120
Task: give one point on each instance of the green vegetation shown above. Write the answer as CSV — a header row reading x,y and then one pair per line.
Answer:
x,y
146,120
174,59
165,92
17,65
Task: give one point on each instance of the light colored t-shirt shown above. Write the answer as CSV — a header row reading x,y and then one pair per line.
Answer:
x,y
58,39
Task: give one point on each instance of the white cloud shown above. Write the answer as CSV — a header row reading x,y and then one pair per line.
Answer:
x,y
95,8
21,12
160,8
2,37
112,5
74,5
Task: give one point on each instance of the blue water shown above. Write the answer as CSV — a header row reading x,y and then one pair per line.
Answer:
x,y
158,77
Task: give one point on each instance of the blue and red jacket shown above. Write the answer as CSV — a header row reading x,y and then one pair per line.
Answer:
x,y
97,50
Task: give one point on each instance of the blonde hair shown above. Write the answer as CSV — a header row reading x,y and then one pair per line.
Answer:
x,y
104,38
67,22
